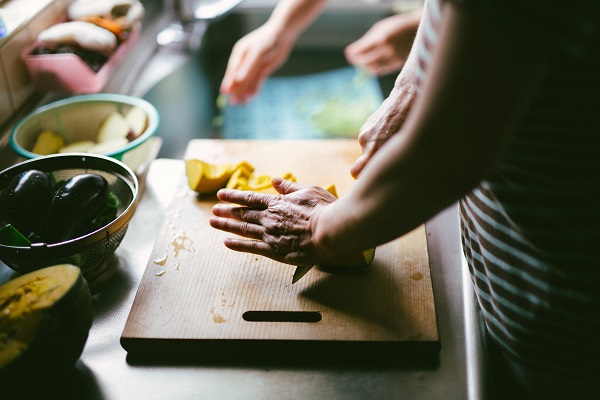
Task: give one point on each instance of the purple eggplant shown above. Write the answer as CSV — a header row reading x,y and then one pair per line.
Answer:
x,y
25,201
74,205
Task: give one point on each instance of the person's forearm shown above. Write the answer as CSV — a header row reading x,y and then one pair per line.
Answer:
x,y
452,138
291,17
406,80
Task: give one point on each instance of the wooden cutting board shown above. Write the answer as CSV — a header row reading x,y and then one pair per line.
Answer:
x,y
197,296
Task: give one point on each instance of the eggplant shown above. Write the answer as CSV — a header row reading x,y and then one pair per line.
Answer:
x,y
74,205
25,201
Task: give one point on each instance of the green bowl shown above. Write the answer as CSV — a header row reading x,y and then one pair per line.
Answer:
x,y
79,118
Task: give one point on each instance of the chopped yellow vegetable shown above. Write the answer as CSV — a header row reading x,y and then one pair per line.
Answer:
x,y
262,183
206,178
243,178
48,142
358,259
239,178
331,189
209,178
259,182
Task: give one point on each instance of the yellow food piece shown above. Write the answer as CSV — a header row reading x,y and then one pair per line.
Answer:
x,y
239,178
138,121
45,318
207,178
114,126
332,189
48,142
259,182
262,183
359,259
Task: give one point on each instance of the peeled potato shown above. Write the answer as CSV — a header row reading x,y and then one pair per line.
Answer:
x,y
78,147
137,120
115,126
108,146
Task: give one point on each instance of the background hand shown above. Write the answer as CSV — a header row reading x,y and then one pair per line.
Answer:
x,y
385,47
279,227
253,58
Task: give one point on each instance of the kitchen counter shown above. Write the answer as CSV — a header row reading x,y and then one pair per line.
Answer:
x,y
105,372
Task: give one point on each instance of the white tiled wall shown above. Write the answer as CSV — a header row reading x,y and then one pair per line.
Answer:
x,y
15,84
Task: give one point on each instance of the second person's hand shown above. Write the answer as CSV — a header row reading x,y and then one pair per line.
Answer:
x,y
253,58
383,49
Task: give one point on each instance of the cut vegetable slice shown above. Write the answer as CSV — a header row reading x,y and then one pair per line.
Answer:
x,y
78,147
48,142
359,259
46,318
113,127
207,178
137,120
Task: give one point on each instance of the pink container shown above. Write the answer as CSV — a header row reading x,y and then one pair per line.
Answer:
x,y
69,73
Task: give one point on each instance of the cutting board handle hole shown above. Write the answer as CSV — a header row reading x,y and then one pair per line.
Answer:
x,y
282,316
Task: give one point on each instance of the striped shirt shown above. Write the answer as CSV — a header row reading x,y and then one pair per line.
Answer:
x,y
531,229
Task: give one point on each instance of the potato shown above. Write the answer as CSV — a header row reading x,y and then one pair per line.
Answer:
x,y
137,120
115,126
77,147
108,146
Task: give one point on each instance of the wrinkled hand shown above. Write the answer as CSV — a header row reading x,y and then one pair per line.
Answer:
x,y
383,49
279,227
382,124
253,58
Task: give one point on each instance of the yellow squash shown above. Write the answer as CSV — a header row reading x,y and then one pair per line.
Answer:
x,y
45,318
206,178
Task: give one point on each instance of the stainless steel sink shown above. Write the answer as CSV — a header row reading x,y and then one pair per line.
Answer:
x,y
183,81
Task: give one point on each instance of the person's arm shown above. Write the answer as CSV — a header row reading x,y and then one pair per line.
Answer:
x,y
479,80
383,49
255,56
291,17
389,117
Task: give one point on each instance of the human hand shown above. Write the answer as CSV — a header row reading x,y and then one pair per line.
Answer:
x,y
253,58
279,227
382,124
383,49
